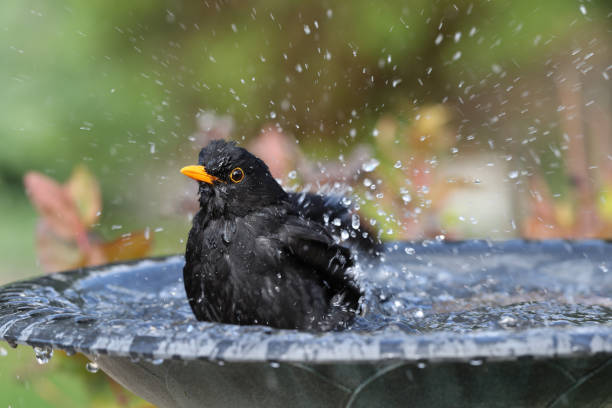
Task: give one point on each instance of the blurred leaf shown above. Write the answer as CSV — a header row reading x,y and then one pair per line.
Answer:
x,y
54,252
564,215
275,149
429,133
84,190
604,203
62,239
54,205
94,255
135,245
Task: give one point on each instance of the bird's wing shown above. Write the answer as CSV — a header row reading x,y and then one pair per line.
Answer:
x,y
336,215
312,245
315,206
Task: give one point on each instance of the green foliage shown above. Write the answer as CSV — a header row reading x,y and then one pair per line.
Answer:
x,y
62,383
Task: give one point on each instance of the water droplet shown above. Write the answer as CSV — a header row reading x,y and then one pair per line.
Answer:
x,y
3,352
306,29
292,174
507,321
355,221
406,198
583,9
398,164
419,314
421,365
602,266
337,222
513,174
274,364
440,238
370,165
272,115
439,39
457,56
229,228
92,367
344,235
409,251
157,361
43,354
396,82
476,362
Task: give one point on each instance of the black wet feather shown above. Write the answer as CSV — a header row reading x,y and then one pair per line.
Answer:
x,y
257,255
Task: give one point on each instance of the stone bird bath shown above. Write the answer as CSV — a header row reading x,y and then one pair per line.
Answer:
x,y
471,323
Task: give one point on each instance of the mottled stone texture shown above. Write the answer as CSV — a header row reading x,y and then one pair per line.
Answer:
x,y
445,324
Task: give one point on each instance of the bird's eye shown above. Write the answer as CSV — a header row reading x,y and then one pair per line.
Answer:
x,y
237,175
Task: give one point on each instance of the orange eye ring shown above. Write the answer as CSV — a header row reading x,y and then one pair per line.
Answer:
x,y
237,175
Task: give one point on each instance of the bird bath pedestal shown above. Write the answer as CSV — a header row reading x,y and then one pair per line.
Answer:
x,y
445,324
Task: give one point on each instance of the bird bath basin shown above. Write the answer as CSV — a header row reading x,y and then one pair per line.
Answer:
x,y
446,324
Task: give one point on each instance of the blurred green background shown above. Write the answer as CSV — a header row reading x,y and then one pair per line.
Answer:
x,y
486,119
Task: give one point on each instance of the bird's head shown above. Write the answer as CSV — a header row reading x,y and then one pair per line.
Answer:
x,y
232,180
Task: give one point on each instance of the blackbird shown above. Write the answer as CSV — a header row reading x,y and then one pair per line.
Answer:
x,y
258,255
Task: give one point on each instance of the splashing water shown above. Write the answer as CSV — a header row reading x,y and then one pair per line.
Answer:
x,y
370,165
432,287
43,354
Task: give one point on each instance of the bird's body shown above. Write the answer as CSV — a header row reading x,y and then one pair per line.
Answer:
x,y
253,255
336,217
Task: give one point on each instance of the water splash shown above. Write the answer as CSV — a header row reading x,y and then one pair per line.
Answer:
x,y
370,165
476,362
355,222
432,287
43,354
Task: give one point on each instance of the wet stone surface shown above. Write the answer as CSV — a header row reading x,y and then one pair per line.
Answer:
x,y
423,301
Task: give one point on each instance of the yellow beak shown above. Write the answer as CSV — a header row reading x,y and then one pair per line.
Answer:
x,y
198,173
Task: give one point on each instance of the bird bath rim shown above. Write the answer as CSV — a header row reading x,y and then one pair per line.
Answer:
x,y
65,329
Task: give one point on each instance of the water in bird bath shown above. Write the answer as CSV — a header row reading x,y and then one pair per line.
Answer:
x,y
474,304
416,289
462,292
